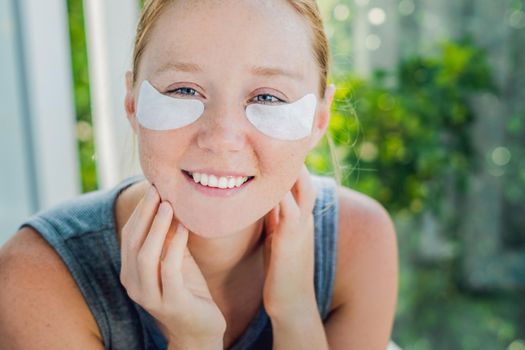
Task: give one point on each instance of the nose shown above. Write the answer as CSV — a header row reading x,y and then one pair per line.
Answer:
x,y
223,129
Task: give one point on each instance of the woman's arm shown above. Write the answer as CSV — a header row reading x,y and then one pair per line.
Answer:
x,y
304,331
41,306
365,291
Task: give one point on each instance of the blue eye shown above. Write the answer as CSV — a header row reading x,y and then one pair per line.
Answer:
x,y
184,91
268,99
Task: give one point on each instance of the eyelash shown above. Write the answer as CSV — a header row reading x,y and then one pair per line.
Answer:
x,y
279,101
179,92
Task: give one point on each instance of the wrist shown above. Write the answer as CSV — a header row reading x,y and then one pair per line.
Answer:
x,y
190,344
292,313
295,322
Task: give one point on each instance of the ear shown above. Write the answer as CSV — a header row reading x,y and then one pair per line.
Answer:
x,y
129,101
323,116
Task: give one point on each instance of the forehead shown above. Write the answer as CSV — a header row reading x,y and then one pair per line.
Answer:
x,y
236,34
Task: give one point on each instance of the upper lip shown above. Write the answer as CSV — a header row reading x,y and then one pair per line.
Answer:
x,y
218,173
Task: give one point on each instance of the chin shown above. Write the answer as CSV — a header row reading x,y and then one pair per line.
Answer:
x,y
214,225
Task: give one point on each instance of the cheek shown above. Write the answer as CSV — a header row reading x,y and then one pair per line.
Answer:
x,y
158,152
281,166
282,159
148,161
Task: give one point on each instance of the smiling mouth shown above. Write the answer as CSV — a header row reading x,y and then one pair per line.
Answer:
x,y
219,182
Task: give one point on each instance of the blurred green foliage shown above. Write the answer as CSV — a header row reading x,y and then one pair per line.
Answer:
x,y
86,144
404,135
404,138
512,157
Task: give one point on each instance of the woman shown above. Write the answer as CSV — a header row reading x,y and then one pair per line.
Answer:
x,y
227,241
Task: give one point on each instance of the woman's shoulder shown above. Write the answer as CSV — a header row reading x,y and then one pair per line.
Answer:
x,y
38,282
71,218
36,288
360,215
357,213
86,213
366,247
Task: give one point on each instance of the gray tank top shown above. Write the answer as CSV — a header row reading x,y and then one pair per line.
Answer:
x,y
82,232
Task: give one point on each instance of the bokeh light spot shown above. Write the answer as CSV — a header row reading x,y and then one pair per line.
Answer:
x,y
372,42
517,19
501,156
377,16
341,12
406,7
517,345
368,151
84,131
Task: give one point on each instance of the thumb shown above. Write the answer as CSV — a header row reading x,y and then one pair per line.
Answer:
x,y
193,278
271,221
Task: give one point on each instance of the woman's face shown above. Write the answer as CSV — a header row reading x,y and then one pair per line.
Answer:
x,y
226,54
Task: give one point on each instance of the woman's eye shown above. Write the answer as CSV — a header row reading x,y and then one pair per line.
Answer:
x,y
183,91
268,99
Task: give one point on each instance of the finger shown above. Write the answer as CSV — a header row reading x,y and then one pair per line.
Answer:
x,y
288,208
169,237
304,192
140,221
271,220
171,265
133,233
148,258
193,278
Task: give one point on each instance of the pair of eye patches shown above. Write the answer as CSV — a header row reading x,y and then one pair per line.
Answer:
x,y
290,121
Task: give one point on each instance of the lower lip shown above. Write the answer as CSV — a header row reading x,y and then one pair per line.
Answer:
x,y
215,191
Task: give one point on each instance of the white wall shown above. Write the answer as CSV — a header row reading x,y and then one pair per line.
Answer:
x,y
38,150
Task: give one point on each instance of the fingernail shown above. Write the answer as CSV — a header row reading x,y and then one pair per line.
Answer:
x,y
180,227
164,208
152,192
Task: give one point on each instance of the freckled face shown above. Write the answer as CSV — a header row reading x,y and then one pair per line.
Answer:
x,y
206,50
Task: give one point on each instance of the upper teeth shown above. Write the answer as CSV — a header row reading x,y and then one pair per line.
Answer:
x,y
220,182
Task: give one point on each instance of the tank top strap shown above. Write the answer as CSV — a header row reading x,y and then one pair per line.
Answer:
x,y
326,214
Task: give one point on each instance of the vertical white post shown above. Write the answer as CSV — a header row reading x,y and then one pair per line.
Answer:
x,y
361,32
375,36
49,98
18,197
110,29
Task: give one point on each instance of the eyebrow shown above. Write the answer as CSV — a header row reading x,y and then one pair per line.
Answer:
x,y
180,66
255,70
275,71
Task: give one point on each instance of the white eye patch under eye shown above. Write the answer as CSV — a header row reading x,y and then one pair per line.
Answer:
x,y
291,121
156,111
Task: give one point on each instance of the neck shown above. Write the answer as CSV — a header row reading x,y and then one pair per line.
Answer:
x,y
220,259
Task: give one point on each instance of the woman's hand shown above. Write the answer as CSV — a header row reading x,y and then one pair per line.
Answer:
x,y
289,251
160,274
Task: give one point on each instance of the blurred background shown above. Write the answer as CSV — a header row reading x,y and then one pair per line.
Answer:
x,y
429,119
